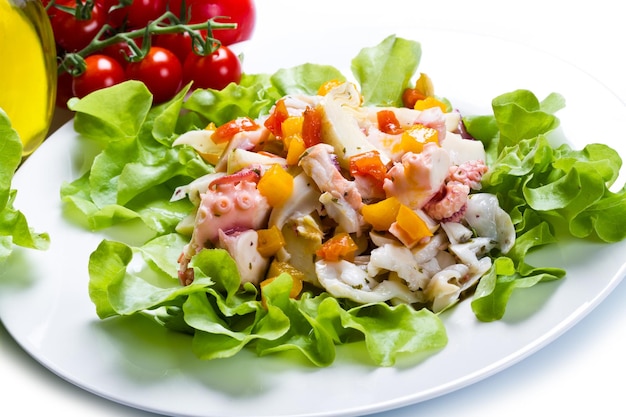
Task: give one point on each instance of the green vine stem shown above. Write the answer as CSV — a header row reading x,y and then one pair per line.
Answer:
x,y
74,63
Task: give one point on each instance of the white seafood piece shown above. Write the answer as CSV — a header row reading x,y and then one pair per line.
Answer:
x,y
343,279
400,259
340,196
341,130
347,218
432,117
473,255
239,159
296,104
202,142
463,150
303,200
488,219
422,253
345,94
318,163
469,252
444,289
195,188
457,232
247,140
303,236
242,246
418,176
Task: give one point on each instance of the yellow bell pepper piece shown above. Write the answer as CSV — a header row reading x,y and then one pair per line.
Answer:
x,y
276,185
425,85
295,149
327,86
381,214
428,103
292,126
414,138
410,226
278,267
269,241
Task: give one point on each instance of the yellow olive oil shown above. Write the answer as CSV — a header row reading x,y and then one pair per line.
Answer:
x,y
27,69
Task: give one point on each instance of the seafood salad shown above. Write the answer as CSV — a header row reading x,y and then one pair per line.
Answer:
x,y
302,210
371,204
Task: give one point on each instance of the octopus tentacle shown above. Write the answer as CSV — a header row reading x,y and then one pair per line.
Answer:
x,y
449,203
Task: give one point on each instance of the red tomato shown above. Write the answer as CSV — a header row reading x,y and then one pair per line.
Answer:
x,y
73,34
119,51
160,71
216,70
107,4
241,12
178,43
102,71
138,14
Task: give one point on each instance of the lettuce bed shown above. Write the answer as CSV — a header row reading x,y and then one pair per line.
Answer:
x,y
551,193
14,228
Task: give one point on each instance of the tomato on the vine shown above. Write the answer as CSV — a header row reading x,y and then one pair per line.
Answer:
x,y
160,71
241,12
107,4
102,71
215,70
178,43
138,14
71,33
120,51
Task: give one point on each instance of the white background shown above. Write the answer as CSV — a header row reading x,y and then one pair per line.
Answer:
x,y
579,373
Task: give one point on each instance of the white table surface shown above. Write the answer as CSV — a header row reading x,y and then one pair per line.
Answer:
x,y
582,371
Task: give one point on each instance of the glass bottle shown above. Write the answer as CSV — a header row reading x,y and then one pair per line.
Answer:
x,y
28,73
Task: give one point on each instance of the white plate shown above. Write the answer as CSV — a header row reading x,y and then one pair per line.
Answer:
x,y
45,307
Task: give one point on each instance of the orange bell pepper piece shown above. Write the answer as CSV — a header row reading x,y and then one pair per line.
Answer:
x,y
341,246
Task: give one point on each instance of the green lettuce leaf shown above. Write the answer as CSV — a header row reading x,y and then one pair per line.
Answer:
x,y
384,71
224,319
137,170
14,228
548,191
256,93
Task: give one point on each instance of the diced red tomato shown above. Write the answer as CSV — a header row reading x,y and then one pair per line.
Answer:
x,y
274,122
410,96
312,127
388,122
368,163
225,132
